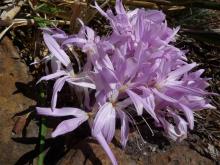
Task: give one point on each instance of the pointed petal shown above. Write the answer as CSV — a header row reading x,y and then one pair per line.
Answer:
x,y
124,127
52,76
209,106
107,62
109,127
100,10
155,16
177,132
189,90
171,37
180,71
58,112
137,101
119,8
100,138
181,126
58,85
55,49
189,115
105,121
68,126
74,40
109,77
163,96
90,33
123,104
149,106
82,83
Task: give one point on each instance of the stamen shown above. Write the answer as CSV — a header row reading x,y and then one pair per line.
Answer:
x,y
130,116
136,139
72,74
148,125
123,88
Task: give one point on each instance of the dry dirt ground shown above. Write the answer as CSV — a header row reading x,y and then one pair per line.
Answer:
x,y
14,98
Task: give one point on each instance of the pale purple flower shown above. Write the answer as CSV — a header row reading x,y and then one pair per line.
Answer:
x,y
134,67
66,125
63,74
104,125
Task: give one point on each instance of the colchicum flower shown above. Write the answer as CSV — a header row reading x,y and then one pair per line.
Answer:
x,y
135,67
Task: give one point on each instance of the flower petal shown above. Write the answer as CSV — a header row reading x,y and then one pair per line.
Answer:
x,y
68,126
81,83
124,127
52,76
177,132
119,8
163,96
100,138
74,40
137,101
180,71
59,112
55,49
188,90
100,10
123,104
189,115
105,121
149,105
58,85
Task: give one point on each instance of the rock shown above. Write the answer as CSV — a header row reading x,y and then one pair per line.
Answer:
x,y
89,152
213,152
13,74
178,155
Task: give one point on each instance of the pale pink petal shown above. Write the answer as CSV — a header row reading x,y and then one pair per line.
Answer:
x,y
137,101
58,85
100,138
180,71
177,132
163,96
74,40
58,112
189,90
56,50
149,105
52,76
105,121
68,126
119,8
123,104
189,115
81,83
90,33
124,127
100,10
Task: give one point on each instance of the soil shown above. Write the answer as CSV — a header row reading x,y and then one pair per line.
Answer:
x,y
14,99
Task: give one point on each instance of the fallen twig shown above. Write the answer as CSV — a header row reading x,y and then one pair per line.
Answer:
x,y
14,11
10,16
5,31
27,22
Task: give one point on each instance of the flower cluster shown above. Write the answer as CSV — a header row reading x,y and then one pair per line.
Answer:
x,y
135,66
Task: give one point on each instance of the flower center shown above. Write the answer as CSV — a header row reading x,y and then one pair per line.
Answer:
x,y
123,88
